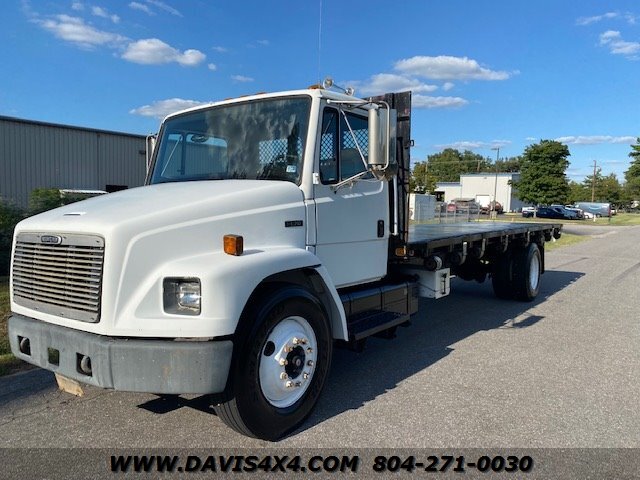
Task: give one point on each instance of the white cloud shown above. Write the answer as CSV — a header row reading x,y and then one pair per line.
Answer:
x,y
212,66
583,21
425,101
531,139
165,7
445,67
76,31
102,12
77,6
448,86
389,82
474,145
594,139
220,49
617,46
162,108
629,17
152,51
241,78
264,43
142,7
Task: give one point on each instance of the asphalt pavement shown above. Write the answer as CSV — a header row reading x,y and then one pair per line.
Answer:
x,y
470,371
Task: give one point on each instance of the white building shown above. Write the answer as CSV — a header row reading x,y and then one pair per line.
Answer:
x,y
481,187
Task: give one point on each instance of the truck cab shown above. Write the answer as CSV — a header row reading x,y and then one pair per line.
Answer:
x,y
160,288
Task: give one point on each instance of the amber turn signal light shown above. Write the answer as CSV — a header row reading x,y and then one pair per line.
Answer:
x,y
233,244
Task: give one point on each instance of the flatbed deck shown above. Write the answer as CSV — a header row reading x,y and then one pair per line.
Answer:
x,y
431,237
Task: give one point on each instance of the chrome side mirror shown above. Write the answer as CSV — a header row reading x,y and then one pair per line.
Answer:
x,y
382,140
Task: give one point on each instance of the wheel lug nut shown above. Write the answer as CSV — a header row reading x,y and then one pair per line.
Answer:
x,y
305,375
295,341
289,384
283,362
309,349
298,384
283,376
310,363
304,341
288,349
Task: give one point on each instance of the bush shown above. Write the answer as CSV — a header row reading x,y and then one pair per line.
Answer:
x,y
43,199
10,215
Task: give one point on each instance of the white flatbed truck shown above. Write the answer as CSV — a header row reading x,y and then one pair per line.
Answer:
x,y
270,228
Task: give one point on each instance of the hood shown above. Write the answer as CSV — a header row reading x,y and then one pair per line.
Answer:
x,y
171,230
164,204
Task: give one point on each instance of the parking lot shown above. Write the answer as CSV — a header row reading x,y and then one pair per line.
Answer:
x,y
471,371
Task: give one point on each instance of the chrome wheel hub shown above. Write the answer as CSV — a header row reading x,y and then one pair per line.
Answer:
x,y
287,361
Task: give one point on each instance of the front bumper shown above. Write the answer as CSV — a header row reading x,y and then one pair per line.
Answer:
x,y
128,364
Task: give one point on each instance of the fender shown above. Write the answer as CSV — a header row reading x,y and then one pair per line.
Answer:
x,y
227,282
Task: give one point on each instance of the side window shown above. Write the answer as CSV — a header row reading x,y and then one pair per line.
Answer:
x,y
329,147
350,160
339,156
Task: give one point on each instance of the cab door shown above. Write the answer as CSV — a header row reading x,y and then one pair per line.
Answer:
x,y
352,230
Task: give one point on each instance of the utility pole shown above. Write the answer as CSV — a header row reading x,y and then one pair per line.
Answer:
x,y
495,184
593,183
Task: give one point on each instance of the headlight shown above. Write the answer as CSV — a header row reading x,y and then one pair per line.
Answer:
x,y
181,296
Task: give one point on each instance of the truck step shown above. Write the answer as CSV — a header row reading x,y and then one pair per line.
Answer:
x,y
370,323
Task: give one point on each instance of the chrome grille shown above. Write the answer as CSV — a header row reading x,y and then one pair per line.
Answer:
x,y
63,279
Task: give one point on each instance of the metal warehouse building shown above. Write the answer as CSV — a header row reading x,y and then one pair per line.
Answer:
x,y
45,155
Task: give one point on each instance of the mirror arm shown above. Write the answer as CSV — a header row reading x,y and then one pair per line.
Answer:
x,y
350,180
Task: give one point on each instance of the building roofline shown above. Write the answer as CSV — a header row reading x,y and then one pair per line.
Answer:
x,y
67,127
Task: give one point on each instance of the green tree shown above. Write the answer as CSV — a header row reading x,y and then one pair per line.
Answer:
x,y
509,165
578,192
607,188
542,173
421,180
632,175
446,166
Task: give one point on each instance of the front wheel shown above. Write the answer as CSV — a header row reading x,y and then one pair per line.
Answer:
x,y
280,366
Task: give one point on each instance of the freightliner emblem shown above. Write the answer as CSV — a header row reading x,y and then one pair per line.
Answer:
x,y
51,239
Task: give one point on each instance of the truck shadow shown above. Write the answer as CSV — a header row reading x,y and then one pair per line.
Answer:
x,y
358,378
471,308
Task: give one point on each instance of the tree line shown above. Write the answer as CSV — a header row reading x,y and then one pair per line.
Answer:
x,y
543,179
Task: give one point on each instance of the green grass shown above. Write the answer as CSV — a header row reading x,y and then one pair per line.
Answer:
x,y
621,219
565,240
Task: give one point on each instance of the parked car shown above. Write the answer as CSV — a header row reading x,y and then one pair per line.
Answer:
x,y
486,209
570,213
579,211
528,212
466,206
556,211
548,212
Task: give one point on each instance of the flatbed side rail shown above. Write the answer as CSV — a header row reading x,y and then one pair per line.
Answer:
x,y
427,240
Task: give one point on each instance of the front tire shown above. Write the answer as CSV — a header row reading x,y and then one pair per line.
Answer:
x,y
280,365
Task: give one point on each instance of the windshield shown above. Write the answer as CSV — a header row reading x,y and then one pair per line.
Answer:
x,y
255,140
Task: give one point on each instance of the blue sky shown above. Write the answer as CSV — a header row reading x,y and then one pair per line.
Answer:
x,y
484,73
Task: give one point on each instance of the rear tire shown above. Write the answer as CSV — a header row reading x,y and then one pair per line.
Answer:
x,y
501,277
280,365
526,271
